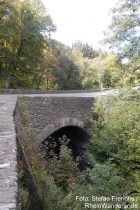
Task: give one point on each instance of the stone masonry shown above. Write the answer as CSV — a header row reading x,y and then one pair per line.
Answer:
x,y
8,162
47,113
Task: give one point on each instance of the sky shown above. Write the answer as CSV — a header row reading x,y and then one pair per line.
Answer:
x,y
83,20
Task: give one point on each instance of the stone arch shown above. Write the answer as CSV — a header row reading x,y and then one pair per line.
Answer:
x,y
60,123
74,129
78,142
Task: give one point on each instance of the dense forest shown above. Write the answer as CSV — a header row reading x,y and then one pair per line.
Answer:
x,y
31,59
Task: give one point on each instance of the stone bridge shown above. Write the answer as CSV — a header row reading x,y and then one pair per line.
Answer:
x,y
37,116
46,115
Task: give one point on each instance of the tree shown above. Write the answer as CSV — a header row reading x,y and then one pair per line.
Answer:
x,y
131,75
115,145
34,22
124,31
113,70
9,23
25,26
103,71
47,66
67,73
89,74
86,49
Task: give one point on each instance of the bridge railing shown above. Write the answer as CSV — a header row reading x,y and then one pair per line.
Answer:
x,y
24,91
31,91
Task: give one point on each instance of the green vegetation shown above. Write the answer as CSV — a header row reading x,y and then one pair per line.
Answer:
x,y
123,35
115,151
123,32
28,198
114,156
29,58
113,161
23,24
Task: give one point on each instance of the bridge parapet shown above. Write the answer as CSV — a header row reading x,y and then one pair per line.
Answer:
x,y
48,114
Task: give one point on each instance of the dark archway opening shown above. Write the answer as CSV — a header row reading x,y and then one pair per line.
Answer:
x,y
78,142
